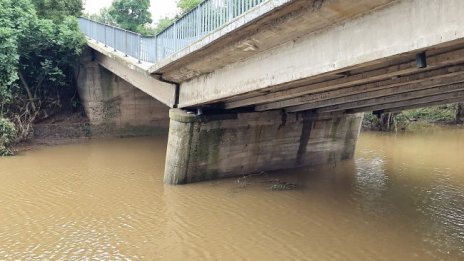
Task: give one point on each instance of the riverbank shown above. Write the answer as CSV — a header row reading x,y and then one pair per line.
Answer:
x,y
64,128
418,120
69,127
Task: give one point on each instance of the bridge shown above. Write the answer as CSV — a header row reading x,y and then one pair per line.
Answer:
x,y
260,85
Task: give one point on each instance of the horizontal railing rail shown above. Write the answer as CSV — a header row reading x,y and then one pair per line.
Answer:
x,y
201,20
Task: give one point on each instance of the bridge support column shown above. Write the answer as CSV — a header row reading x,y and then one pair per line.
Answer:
x,y
215,146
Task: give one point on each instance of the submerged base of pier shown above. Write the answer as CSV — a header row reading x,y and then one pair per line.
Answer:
x,y
216,146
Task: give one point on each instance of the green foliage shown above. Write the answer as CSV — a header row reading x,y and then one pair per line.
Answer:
x,y
103,16
7,137
187,5
15,19
409,120
163,23
37,57
58,10
48,54
434,114
131,15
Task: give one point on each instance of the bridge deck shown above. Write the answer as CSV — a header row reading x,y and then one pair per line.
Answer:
x,y
326,56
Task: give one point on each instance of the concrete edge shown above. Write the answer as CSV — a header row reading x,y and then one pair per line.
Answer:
x,y
188,117
119,57
234,25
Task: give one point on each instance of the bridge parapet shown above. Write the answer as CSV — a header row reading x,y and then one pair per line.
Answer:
x,y
207,17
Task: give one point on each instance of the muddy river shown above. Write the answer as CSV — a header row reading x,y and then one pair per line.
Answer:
x,y
401,198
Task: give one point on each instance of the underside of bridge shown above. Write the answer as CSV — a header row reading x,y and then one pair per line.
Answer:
x,y
328,59
286,89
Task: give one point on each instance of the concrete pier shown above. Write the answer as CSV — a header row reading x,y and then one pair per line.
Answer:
x,y
215,146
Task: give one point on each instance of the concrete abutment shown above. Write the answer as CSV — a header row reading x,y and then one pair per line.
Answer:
x,y
216,146
114,106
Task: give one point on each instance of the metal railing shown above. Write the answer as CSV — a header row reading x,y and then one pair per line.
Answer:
x,y
206,17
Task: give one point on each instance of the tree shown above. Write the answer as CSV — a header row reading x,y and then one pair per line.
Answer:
x,y
57,10
460,113
187,5
163,23
103,16
37,57
15,19
131,15
48,55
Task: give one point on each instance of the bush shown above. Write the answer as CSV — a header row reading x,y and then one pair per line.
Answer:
x,y
7,137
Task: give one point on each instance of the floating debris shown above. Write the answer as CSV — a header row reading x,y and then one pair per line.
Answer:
x,y
283,186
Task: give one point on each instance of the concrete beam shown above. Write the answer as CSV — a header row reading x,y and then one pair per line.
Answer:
x,y
395,98
368,90
135,74
437,99
368,76
412,88
424,24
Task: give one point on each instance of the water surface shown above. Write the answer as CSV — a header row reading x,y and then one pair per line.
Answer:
x,y
401,198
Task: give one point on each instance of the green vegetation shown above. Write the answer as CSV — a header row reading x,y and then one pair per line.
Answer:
x,y
184,6
57,10
7,137
131,15
187,5
41,44
409,120
103,16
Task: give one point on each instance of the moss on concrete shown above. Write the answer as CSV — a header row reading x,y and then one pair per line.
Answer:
x,y
106,81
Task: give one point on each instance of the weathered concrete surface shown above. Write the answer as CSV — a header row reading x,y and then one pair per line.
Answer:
x,y
396,29
215,146
264,27
115,107
133,72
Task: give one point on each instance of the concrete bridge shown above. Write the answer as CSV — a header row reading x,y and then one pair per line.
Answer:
x,y
255,85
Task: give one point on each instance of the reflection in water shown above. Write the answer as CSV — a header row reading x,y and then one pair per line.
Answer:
x,y
402,198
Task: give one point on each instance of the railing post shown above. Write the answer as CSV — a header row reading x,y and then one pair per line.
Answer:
x,y
125,43
230,10
140,48
94,32
156,48
105,36
175,36
198,20
114,38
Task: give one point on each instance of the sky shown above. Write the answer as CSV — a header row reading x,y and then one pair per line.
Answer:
x,y
158,8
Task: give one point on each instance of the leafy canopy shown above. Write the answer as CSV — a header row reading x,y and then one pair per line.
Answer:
x,y
187,5
58,10
37,57
131,14
15,20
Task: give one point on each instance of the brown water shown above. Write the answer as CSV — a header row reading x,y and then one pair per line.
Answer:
x,y
402,198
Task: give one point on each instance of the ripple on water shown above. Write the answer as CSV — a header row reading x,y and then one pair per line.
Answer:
x,y
105,200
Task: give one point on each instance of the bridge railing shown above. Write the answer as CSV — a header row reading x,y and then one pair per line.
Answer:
x,y
206,17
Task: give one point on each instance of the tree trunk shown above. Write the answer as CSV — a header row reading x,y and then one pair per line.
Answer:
x,y
460,113
28,90
387,121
